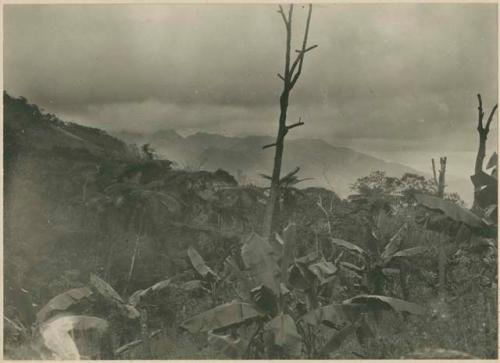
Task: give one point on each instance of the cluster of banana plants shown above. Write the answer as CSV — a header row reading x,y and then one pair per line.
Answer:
x,y
83,322
287,306
383,259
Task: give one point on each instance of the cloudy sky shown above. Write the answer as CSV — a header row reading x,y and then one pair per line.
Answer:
x,y
395,80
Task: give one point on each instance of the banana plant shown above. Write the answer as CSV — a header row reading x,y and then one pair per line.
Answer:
x,y
375,266
278,313
69,311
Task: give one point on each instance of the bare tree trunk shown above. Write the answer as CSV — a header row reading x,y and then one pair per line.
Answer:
x,y
483,136
481,152
292,73
442,253
442,172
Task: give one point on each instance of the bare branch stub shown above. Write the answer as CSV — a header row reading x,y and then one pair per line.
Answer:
x,y
481,113
490,117
281,11
269,145
300,123
306,50
304,47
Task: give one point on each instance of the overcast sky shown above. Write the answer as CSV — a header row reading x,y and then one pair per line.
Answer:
x,y
386,78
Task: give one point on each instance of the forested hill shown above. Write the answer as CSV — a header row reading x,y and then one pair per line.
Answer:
x,y
28,129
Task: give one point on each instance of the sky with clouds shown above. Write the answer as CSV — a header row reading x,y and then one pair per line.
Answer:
x,y
390,79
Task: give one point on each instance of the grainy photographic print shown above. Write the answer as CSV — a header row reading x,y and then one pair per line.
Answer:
x,y
250,181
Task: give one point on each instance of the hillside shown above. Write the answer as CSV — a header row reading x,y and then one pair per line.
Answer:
x,y
329,166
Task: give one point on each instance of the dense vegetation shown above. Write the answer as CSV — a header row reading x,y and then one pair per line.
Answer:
x,y
137,259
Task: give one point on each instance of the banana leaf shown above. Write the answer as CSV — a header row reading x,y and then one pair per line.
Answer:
x,y
136,297
337,339
56,334
493,161
285,334
348,245
378,302
333,314
410,252
232,347
222,316
450,209
63,301
199,264
324,271
112,297
394,243
260,260
105,289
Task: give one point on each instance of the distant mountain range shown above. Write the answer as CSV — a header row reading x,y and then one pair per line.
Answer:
x,y
332,167
329,166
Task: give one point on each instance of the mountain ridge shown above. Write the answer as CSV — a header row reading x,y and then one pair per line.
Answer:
x,y
243,155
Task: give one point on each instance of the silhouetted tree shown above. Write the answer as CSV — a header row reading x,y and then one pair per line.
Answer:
x,y
289,78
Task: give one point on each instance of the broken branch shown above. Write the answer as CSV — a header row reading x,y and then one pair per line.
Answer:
x,y
300,123
490,117
282,14
481,113
269,145
304,47
306,50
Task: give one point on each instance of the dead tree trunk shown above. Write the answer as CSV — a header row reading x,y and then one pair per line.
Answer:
x,y
439,179
290,77
440,184
483,135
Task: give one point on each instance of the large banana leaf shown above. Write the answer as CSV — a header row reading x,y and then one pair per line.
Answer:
x,y
232,347
299,276
244,285
199,264
288,248
136,297
352,266
260,260
324,271
493,161
110,295
309,258
482,179
265,299
393,245
62,302
410,252
337,339
437,353
56,334
348,245
105,289
333,314
285,334
450,209
378,302
221,316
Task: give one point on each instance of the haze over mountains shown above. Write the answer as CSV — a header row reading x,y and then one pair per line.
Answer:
x,y
327,165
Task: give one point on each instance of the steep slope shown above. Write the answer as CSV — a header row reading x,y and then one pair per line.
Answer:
x,y
29,129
